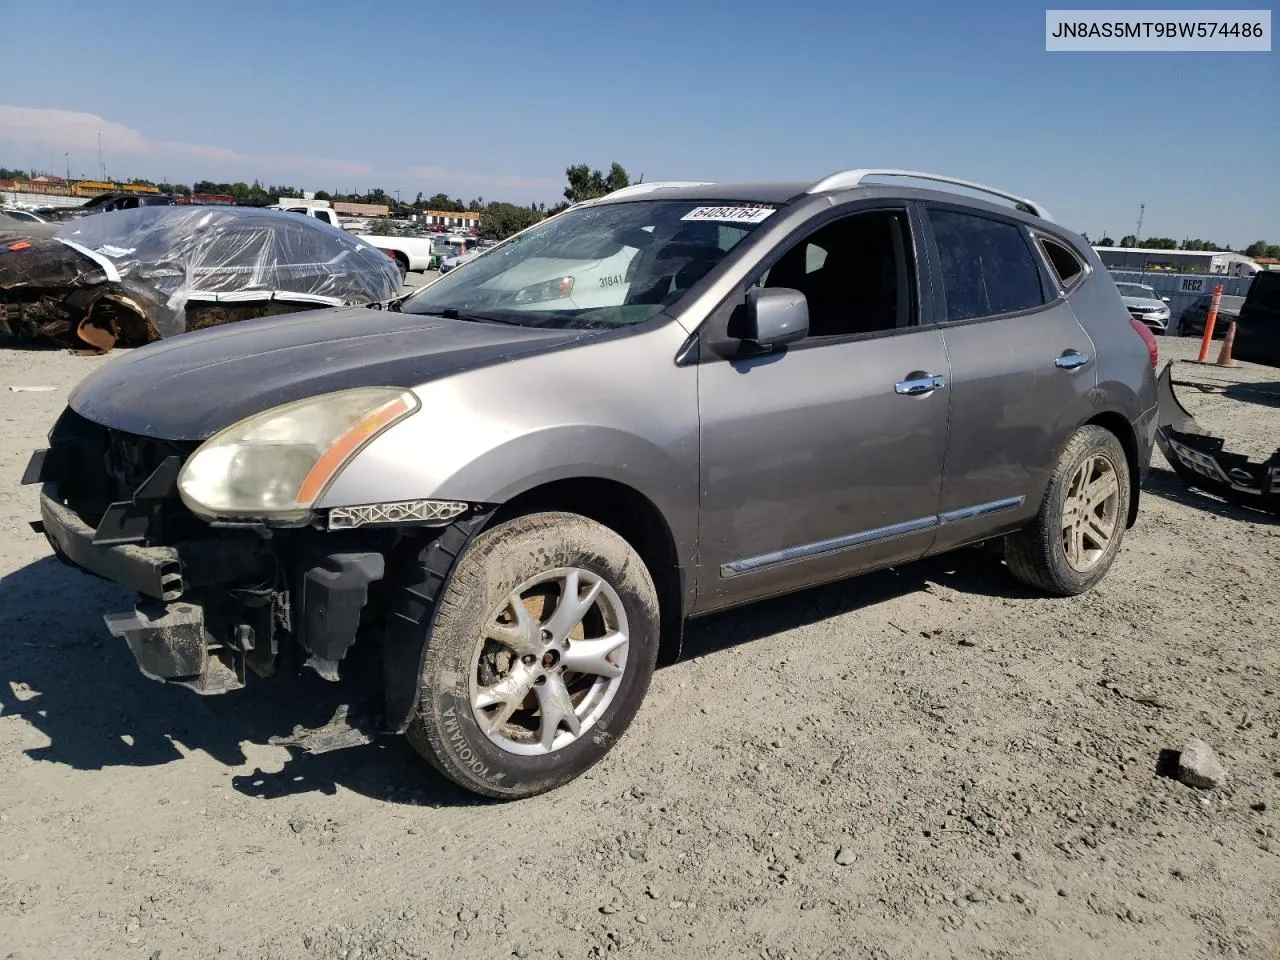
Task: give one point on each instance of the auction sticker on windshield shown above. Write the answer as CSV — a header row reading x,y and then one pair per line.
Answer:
x,y
729,214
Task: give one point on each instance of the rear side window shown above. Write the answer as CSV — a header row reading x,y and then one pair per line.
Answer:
x,y
1066,265
987,266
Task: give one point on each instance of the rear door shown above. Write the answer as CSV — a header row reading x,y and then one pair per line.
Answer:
x,y
1022,368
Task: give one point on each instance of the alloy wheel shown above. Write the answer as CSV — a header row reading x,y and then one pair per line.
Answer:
x,y
549,661
1090,513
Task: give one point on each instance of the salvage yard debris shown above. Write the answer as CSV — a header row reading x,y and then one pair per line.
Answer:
x,y
1199,459
134,276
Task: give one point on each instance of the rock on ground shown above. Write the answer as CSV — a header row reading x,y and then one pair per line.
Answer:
x,y
1199,766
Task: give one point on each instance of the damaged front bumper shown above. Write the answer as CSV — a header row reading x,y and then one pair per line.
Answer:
x,y
216,601
222,601
168,631
1199,459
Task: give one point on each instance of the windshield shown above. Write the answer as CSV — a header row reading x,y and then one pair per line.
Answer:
x,y
1137,290
594,267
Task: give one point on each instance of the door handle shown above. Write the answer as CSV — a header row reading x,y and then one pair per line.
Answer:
x,y
917,384
1070,360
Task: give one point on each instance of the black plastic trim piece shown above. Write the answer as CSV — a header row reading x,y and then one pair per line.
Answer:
x,y
137,520
40,468
334,592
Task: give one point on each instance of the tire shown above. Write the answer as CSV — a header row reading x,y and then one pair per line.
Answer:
x,y
403,264
1039,555
464,664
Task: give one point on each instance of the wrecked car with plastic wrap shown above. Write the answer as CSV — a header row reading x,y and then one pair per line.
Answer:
x,y
513,487
130,277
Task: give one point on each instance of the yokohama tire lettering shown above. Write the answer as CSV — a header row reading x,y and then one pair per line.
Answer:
x,y
458,744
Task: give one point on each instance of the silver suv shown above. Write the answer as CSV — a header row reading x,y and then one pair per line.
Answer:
x,y
517,484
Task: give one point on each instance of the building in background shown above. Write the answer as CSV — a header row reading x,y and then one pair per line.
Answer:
x,y
360,209
467,221
1177,261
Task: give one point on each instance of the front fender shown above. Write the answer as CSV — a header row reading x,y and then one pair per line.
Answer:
x,y
617,409
398,466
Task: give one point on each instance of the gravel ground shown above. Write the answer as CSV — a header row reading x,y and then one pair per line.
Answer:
x,y
924,762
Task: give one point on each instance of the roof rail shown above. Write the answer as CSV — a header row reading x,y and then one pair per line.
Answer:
x,y
652,185
853,178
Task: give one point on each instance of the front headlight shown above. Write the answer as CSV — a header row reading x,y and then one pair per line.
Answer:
x,y
276,464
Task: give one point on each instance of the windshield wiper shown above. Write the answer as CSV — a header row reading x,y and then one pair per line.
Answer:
x,y
453,313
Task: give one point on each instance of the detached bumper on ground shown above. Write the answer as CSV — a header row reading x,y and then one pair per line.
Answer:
x,y
1202,461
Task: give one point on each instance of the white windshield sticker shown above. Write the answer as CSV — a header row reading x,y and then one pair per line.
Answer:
x,y
729,214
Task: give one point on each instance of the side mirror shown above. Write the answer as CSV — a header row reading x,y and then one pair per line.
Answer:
x,y
775,316
1166,299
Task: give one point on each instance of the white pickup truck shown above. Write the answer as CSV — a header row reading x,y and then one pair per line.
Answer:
x,y
411,253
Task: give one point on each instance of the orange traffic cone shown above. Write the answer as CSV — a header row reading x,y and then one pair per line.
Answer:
x,y
1228,342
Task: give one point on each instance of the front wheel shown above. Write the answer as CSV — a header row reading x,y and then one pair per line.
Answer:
x,y
1076,535
541,652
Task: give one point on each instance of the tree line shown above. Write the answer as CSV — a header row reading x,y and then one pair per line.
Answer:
x,y
499,219
1259,248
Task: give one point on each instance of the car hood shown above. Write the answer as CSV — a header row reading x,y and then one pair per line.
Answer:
x,y
46,264
193,385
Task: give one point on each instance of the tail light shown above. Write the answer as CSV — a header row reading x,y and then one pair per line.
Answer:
x,y
1148,338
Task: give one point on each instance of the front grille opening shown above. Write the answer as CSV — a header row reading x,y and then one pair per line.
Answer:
x,y
102,466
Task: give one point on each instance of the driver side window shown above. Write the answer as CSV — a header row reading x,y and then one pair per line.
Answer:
x,y
856,273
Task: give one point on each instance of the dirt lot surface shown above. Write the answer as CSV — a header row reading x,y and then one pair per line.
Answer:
x,y
924,762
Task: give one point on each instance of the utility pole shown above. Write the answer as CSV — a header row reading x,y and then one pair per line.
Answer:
x,y
67,157
1142,209
102,165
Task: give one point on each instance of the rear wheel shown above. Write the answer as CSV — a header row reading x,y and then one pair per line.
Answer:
x,y
1076,535
542,650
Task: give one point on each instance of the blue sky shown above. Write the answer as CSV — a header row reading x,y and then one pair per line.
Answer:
x,y
495,98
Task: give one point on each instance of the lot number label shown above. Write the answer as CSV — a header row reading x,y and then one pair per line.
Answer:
x,y
729,214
